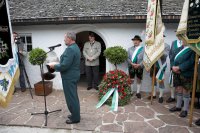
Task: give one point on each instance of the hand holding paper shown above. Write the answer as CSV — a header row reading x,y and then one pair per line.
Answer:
x,y
52,64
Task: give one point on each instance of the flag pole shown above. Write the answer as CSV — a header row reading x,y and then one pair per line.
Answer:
x,y
193,89
153,82
154,66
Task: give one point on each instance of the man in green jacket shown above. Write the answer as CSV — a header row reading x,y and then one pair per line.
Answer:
x,y
175,47
69,67
182,65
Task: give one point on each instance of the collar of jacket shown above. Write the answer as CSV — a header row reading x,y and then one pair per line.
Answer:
x,y
71,44
91,43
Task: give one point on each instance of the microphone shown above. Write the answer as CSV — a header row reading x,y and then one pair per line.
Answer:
x,y
53,47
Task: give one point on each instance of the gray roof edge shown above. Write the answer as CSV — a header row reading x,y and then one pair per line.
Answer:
x,y
97,19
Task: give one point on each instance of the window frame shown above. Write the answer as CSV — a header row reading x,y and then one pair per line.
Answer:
x,y
25,35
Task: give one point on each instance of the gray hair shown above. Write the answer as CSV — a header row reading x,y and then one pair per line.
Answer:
x,y
71,35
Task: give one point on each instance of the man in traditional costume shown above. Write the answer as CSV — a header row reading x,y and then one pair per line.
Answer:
x,y
161,66
175,45
91,52
182,62
135,65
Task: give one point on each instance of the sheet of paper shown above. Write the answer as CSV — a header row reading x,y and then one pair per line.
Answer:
x,y
52,63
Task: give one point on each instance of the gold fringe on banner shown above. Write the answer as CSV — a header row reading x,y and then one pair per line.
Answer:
x,y
155,28
12,61
5,100
194,44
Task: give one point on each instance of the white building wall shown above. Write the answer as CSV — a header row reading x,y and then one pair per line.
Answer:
x,y
44,36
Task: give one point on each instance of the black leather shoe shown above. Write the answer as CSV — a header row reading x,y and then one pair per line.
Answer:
x,y
69,116
170,100
160,100
89,88
174,109
71,122
138,95
149,97
197,122
183,114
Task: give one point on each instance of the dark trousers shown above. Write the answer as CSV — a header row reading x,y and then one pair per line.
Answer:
x,y
21,77
71,97
92,73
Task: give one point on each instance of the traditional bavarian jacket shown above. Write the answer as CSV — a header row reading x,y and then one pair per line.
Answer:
x,y
139,55
185,61
175,48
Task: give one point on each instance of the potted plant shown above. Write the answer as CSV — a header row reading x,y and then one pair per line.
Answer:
x,y
115,81
116,55
33,59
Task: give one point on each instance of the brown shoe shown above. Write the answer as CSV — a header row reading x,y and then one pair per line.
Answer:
x,y
89,88
96,88
23,89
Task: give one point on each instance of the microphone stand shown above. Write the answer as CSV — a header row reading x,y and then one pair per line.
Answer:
x,y
46,112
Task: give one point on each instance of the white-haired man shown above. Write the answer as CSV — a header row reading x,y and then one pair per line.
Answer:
x,y
69,68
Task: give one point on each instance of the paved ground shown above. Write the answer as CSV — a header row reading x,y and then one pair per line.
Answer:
x,y
19,129
139,116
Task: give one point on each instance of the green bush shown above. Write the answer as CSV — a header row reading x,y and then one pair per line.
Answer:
x,y
116,55
34,54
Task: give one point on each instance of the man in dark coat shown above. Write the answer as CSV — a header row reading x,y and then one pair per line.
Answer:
x,y
69,67
175,47
183,68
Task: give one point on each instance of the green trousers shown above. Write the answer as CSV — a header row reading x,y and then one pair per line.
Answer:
x,y
72,100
